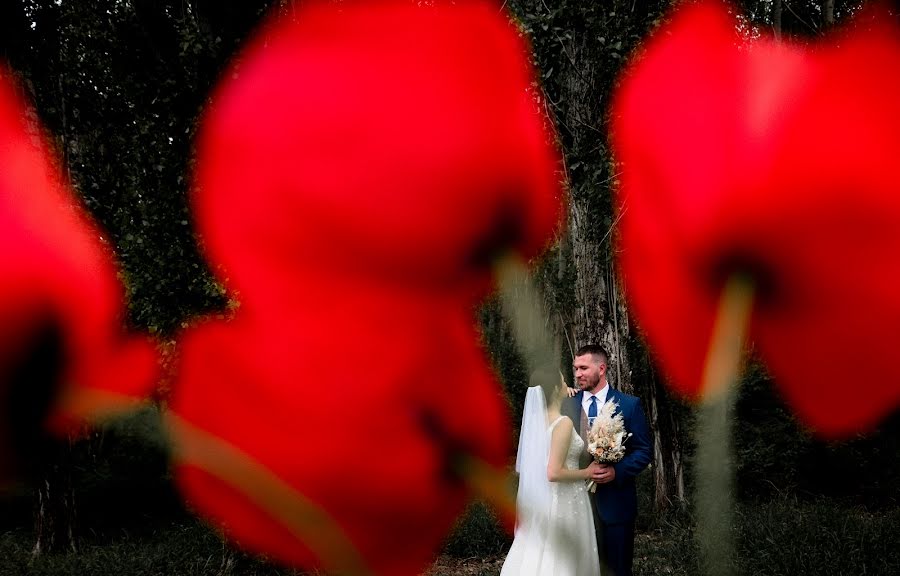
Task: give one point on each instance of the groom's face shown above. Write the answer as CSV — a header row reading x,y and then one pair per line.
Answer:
x,y
588,372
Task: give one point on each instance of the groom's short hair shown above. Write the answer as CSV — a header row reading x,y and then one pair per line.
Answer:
x,y
595,350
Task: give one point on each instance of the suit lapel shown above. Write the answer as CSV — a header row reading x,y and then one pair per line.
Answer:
x,y
612,395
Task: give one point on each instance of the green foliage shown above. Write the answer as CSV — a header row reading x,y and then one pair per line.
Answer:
x,y
120,85
581,47
477,533
787,536
500,345
121,478
800,19
776,455
555,274
178,550
667,549
768,440
780,537
784,537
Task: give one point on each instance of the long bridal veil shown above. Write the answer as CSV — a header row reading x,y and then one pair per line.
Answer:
x,y
534,496
555,530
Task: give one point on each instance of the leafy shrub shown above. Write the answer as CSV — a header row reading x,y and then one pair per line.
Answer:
x,y
477,534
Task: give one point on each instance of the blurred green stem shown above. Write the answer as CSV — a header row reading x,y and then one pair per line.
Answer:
x,y
310,524
522,303
715,460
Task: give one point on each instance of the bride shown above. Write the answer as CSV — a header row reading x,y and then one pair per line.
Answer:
x,y
555,525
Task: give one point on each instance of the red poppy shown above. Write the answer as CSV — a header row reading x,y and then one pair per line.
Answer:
x,y
775,161
359,170
63,354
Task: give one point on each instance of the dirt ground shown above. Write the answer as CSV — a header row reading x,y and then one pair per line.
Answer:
x,y
449,566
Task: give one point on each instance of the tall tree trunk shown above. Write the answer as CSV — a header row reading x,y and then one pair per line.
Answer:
x,y
580,71
564,328
55,512
827,14
600,316
33,379
668,456
776,18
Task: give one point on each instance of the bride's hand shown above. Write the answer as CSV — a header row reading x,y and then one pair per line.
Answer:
x,y
593,471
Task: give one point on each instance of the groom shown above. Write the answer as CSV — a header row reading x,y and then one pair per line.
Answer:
x,y
615,501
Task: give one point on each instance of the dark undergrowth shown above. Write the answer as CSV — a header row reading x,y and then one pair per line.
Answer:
x,y
783,536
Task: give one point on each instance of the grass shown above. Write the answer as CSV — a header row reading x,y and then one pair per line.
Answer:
x,y
780,537
785,537
182,550
790,538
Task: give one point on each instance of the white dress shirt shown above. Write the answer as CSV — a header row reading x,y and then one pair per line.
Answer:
x,y
601,398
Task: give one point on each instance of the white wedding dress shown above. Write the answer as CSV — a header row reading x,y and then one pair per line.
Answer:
x,y
563,542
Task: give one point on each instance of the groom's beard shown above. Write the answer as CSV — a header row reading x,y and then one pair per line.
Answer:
x,y
589,385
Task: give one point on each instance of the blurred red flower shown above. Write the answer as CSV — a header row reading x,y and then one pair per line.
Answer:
x,y
359,170
64,356
776,161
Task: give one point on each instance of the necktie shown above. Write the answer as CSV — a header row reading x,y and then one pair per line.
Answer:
x,y
592,411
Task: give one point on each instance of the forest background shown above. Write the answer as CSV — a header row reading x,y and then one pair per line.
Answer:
x,y
120,85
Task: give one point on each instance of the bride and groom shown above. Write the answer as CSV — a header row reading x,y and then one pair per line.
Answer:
x,y
562,528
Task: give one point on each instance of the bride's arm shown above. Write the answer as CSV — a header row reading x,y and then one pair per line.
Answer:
x,y
559,446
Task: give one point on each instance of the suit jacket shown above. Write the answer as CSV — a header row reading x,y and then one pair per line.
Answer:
x,y
616,502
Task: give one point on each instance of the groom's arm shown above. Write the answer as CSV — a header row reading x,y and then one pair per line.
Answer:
x,y
640,450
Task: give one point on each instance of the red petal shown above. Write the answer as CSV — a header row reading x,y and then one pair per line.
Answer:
x,y
737,160
832,349
355,192
56,270
364,144
677,133
364,430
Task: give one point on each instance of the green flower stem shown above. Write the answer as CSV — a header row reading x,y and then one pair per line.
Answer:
x,y
715,460
306,521
522,303
490,485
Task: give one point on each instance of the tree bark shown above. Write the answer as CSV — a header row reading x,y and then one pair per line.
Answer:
x,y
668,456
588,68
600,316
55,512
827,14
776,18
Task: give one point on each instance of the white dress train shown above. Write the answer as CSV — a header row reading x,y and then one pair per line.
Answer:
x,y
564,543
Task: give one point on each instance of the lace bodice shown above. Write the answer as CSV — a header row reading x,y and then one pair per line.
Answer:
x,y
576,445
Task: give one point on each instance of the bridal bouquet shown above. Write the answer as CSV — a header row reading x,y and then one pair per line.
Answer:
x,y
606,438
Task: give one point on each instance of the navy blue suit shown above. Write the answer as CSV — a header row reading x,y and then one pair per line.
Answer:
x,y
615,503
